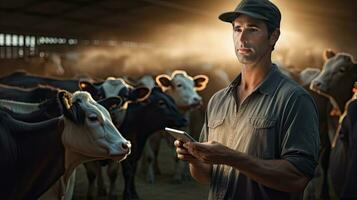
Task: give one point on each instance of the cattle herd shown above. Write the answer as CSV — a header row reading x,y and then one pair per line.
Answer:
x,y
49,126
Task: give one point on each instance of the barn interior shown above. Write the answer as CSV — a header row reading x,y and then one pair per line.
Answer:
x,y
133,38
151,36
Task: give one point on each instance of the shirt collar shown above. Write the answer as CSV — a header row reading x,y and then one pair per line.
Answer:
x,y
267,86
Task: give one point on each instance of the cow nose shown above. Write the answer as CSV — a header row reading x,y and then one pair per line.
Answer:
x,y
317,84
196,100
126,145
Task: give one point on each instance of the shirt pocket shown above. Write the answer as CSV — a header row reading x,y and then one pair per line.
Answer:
x,y
264,138
215,126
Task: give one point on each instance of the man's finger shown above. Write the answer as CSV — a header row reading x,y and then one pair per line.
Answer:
x,y
182,151
178,143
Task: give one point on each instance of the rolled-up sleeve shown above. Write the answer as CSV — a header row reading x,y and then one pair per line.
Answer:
x,y
300,141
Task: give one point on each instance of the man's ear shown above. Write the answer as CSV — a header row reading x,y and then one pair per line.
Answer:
x,y
274,37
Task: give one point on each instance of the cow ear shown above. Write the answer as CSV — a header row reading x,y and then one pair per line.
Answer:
x,y
111,103
65,99
130,80
71,110
200,82
328,53
89,87
139,94
163,81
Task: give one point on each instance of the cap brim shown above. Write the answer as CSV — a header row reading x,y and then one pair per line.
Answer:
x,y
231,16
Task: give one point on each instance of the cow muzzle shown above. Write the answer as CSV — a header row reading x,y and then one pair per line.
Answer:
x,y
120,150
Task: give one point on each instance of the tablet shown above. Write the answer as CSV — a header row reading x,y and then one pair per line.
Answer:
x,y
180,135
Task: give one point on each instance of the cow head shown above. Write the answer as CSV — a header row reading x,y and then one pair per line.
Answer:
x,y
155,113
89,130
116,87
183,88
52,63
336,78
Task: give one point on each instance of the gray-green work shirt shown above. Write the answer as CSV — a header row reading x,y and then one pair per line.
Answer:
x,y
278,120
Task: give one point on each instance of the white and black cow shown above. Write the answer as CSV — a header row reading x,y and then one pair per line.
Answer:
x,y
110,87
48,64
36,155
335,82
336,78
183,89
142,119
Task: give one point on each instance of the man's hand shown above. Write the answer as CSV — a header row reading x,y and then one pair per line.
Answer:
x,y
209,152
182,152
199,170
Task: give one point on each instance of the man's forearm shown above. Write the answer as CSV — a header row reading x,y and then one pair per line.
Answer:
x,y
276,174
201,172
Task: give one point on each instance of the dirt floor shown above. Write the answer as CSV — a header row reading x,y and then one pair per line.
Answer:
x,y
163,189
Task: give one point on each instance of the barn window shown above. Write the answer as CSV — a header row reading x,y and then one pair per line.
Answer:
x,y
21,40
27,41
14,40
2,38
8,40
72,41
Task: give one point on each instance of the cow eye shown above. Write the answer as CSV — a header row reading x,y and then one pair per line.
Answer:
x,y
93,118
342,69
162,103
179,85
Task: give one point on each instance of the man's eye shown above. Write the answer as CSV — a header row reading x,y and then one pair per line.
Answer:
x,y
238,30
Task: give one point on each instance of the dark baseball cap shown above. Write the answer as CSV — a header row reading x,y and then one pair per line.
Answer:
x,y
259,9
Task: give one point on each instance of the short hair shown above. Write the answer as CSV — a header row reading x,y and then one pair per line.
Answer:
x,y
271,28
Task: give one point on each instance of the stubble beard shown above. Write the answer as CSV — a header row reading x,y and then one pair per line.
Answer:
x,y
246,59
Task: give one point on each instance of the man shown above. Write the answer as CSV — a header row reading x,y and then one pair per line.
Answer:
x,y
260,139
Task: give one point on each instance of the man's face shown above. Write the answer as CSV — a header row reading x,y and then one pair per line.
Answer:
x,y
251,41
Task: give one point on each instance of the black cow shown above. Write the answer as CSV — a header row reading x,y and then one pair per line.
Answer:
x,y
142,119
335,82
35,155
343,160
30,95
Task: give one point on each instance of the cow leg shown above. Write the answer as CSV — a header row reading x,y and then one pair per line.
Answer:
x,y
112,172
91,169
129,176
155,142
149,160
100,181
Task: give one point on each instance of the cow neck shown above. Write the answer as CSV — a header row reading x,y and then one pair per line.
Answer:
x,y
139,113
72,158
40,156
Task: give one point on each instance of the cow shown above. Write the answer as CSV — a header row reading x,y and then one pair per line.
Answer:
x,y
336,79
36,155
49,64
29,95
183,89
343,160
46,109
307,75
153,114
108,88
335,83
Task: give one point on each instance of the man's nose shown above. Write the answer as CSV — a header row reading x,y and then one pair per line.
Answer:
x,y
243,37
